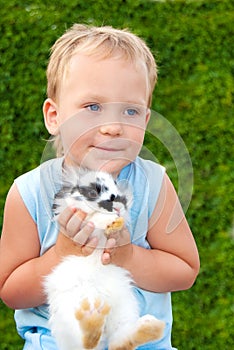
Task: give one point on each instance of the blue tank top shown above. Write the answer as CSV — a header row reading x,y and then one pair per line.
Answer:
x,y
37,189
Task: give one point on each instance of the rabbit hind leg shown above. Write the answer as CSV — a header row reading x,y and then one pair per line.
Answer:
x,y
148,329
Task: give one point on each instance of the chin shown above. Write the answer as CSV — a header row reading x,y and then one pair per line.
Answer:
x,y
112,166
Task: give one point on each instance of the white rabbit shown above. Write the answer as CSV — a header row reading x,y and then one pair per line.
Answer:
x,y
91,305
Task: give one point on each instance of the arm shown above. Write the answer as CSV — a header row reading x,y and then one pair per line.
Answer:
x,y
173,262
21,266
18,250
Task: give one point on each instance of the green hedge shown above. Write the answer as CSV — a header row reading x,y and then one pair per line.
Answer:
x,y
193,43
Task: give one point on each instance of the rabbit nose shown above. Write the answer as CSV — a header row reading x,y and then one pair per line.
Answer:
x,y
112,197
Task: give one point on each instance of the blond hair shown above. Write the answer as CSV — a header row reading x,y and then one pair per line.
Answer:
x,y
103,42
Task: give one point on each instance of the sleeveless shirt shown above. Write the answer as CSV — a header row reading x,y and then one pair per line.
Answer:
x,y
37,189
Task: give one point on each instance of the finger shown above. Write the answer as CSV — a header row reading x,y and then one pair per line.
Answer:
x,y
81,214
110,244
106,258
65,216
84,234
109,248
67,213
73,225
89,247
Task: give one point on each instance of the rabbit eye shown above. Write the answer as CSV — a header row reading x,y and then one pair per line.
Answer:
x,y
98,188
93,194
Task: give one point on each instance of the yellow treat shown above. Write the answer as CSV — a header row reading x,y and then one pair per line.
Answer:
x,y
115,226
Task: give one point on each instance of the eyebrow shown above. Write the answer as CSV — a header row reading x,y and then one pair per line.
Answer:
x,y
102,99
86,98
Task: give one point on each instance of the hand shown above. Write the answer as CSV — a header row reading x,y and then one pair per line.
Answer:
x,y
74,237
118,249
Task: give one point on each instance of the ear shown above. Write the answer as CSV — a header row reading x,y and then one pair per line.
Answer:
x,y
147,118
50,111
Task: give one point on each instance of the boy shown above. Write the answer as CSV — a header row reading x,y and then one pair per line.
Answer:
x,y
100,84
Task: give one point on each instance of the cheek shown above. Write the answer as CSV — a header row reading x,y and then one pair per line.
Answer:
x,y
75,130
136,134
134,138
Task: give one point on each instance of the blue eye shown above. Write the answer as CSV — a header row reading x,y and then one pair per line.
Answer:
x,y
94,107
131,112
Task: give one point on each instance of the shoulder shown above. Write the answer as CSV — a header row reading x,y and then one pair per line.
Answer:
x,y
149,176
35,174
146,179
37,186
40,177
150,168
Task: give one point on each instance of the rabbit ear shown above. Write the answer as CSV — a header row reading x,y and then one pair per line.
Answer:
x,y
82,171
69,176
73,175
124,186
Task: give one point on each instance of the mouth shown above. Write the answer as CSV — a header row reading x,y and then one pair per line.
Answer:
x,y
108,149
117,211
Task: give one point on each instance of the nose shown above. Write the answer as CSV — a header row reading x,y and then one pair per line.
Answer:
x,y
113,129
112,197
112,123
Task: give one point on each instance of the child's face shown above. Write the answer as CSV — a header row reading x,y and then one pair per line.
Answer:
x,y
101,112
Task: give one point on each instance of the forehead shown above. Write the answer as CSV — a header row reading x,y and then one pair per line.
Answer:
x,y
96,61
109,75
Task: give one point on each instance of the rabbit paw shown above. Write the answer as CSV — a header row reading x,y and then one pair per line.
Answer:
x,y
91,319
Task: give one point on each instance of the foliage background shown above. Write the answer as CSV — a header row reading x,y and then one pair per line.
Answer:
x,y
193,43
